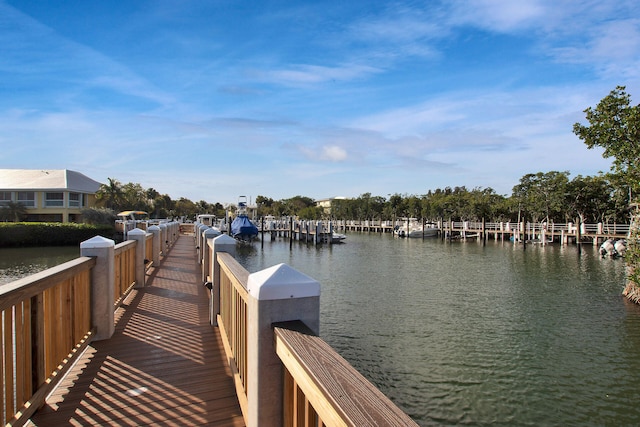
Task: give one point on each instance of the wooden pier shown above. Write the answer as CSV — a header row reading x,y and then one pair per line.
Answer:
x,y
307,231
167,328
542,233
165,364
524,231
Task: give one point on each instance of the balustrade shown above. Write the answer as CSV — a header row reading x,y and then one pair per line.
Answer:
x,y
269,323
284,373
48,318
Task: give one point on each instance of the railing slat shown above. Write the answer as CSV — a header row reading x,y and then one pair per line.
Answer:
x,y
9,406
19,290
339,394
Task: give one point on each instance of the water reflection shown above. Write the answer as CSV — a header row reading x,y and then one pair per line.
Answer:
x,y
19,262
472,334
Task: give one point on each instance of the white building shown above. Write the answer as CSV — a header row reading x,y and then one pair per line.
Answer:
x,y
48,195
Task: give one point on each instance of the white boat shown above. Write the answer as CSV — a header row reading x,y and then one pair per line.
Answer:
x,y
613,248
620,246
414,229
337,237
128,220
212,221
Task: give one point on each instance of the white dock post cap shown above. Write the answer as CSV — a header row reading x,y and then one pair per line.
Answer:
x,y
97,242
281,282
224,239
136,232
211,232
153,228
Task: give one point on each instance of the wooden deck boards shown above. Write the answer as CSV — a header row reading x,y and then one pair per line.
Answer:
x,y
165,365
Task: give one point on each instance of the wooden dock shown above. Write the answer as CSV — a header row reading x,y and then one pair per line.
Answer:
x,y
165,364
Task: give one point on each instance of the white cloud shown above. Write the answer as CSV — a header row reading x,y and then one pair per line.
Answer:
x,y
305,74
498,15
334,153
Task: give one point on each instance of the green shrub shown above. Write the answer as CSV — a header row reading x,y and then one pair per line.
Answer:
x,y
50,234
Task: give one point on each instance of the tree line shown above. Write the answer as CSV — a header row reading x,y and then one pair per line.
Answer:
x,y
548,196
116,197
541,196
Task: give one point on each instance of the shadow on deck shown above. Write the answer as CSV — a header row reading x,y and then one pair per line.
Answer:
x,y
165,364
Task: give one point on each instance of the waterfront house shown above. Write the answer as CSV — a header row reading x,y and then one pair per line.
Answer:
x,y
327,204
48,195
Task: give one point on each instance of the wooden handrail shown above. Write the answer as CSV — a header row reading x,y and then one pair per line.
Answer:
x,y
125,269
322,387
46,323
27,287
232,321
293,376
148,251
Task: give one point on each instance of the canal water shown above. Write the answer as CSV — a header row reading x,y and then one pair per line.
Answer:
x,y
461,333
19,262
466,334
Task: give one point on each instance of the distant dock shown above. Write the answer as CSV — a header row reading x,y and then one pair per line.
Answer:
x,y
543,232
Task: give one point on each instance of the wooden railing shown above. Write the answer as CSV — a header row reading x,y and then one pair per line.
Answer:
x,y
322,389
125,269
528,230
232,320
48,318
46,321
586,229
148,250
285,374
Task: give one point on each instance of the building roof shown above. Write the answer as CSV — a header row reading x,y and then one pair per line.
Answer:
x,y
41,180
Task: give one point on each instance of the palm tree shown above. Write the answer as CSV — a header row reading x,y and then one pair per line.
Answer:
x,y
13,211
111,195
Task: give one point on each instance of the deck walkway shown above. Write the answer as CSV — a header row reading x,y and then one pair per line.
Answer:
x,y
165,365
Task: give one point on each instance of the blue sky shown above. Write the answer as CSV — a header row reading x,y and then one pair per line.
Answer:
x,y
211,100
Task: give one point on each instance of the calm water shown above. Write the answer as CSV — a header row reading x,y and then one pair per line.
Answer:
x,y
20,262
461,334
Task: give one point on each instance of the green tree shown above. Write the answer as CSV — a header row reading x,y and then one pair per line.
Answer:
x,y
185,207
264,205
163,206
614,124
590,198
542,195
135,197
13,212
295,204
311,212
99,216
111,195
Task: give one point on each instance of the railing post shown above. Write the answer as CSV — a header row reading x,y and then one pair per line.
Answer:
x,y
199,243
175,231
163,238
276,294
210,233
155,230
140,236
222,243
102,284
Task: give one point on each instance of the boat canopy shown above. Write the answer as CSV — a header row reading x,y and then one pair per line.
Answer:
x,y
243,228
132,214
